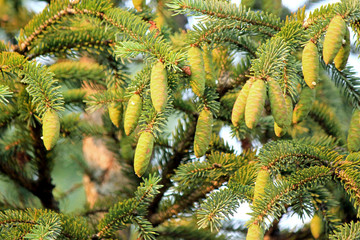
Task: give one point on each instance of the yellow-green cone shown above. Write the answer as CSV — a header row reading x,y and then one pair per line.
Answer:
x,y
310,64
198,76
158,86
333,38
262,180
139,4
303,107
203,133
353,140
342,56
255,103
237,115
316,226
143,153
209,67
115,114
279,132
132,114
255,232
277,103
51,129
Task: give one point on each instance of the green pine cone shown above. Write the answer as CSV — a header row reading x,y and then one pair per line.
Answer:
x,y
353,139
115,114
255,103
158,86
279,132
333,38
139,4
143,153
303,107
342,56
263,178
198,76
209,67
132,114
238,111
203,133
255,232
310,64
51,129
316,226
277,103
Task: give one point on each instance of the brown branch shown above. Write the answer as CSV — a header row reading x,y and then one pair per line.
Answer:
x,y
44,187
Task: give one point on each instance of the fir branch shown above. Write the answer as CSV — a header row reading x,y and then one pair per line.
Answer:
x,y
218,206
349,178
347,82
103,99
327,119
185,202
124,212
221,9
74,74
186,232
287,155
47,228
42,87
51,15
347,231
272,204
183,141
68,42
4,93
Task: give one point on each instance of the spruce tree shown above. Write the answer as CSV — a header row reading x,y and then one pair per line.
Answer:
x,y
85,81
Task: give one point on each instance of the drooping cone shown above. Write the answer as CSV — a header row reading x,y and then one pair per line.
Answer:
x,y
132,114
279,132
333,38
143,153
238,111
198,77
277,103
316,226
203,133
209,67
115,114
255,232
353,140
342,56
262,180
310,64
303,107
51,129
255,103
158,86
139,4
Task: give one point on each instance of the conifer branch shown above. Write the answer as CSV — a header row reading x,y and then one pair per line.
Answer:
x,y
271,206
225,10
185,202
179,151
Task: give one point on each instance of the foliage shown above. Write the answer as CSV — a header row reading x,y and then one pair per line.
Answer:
x,y
86,61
